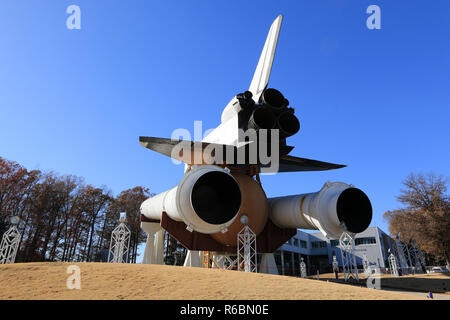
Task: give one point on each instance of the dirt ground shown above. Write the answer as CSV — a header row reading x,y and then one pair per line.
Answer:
x,y
158,282
434,282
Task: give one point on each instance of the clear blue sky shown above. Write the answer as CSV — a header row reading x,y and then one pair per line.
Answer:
x,y
76,101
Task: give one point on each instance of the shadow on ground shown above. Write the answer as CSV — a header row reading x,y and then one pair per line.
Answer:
x,y
436,283
418,284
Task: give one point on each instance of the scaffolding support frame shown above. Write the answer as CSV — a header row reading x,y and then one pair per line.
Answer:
x,y
246,250
347,245
119,246
9,245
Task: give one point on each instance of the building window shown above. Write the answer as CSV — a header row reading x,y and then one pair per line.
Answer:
x,y
318,244
277,255
296,242
288,267
368,240
334,243
303,244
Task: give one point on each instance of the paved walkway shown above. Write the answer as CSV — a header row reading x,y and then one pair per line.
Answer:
x,y
436,296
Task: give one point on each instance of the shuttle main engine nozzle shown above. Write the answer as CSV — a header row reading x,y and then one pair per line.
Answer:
x,y
336,208
288,124
273,99
261,118
207,200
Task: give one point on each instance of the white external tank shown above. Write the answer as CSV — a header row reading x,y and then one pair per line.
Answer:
x,y
207,200
336,208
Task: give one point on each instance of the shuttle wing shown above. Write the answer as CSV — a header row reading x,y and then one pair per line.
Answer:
x,y
186,151
294,164
190,152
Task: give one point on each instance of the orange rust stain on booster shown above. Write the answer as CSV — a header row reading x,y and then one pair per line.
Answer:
x,y
254,205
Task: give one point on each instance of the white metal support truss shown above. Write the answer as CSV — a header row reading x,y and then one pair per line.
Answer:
x,y
303,269
9,245
393,266
416,256
120,243
224,261
394,250
401,255
409,260
246,250
347,245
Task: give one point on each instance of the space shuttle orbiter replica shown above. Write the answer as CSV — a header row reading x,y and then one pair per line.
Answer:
x,y
221,190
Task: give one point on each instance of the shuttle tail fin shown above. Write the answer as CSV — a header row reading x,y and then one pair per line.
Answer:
x,y
262,72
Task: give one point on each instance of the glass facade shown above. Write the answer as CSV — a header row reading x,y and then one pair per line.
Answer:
x,y
277,256
288,267
303,244
296,264
368,240
318,244
319,251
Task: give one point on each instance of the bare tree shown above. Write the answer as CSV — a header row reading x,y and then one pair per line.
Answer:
x,y
95,201
426,215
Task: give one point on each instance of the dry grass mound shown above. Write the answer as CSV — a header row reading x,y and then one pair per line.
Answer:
x,y
158,282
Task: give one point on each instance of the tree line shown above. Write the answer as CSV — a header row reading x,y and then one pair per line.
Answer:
x,y
61,217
